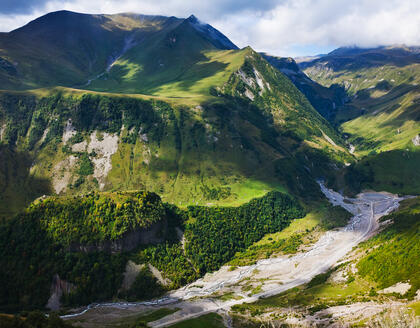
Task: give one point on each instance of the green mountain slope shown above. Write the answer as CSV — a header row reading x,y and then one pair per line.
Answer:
x,y
86,242
325,100
70,49
243,132
385,260
382,117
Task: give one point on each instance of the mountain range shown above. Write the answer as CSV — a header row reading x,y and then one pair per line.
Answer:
x,y
154,145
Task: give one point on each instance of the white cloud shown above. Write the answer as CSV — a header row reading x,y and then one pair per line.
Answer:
x,y
282,27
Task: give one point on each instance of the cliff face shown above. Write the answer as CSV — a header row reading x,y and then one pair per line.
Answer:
x,y
58,288
131,240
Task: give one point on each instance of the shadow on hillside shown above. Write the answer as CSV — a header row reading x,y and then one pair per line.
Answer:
x,y
17,186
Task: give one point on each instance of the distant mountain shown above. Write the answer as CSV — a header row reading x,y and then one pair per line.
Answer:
x,y
381,118
353,58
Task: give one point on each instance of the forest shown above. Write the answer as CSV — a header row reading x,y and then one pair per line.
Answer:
x,y
34,244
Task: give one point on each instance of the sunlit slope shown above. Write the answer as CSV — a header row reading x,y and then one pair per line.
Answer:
x,y
382,112
67,48
391,121
381,116
190,79
245,130
180,62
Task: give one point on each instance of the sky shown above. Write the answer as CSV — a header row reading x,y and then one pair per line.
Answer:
x,y
279,27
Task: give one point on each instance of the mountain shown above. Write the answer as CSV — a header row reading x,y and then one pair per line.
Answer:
x,y
67,48
325,100
139,153
182,112
381,116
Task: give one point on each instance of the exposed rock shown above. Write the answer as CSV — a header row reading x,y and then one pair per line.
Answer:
x,y
249,94
79,147
131,240
104,148
416,140
329,139
131,271
249,81
156,273
400,288
62,174
2,131
58,288
44,135
69,131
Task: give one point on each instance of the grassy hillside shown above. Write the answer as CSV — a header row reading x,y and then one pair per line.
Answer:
x,y
388,258
326,100
381,117
234,135
67,48
394,171
392,256
383,111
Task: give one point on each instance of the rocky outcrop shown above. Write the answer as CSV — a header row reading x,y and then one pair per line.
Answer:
x,y
131,271
59,287
416,140
131,240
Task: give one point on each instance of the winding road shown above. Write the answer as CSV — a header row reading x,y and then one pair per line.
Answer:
x,y
275,275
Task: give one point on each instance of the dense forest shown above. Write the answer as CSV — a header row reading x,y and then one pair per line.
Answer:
x,y
34,244
33,319
96,217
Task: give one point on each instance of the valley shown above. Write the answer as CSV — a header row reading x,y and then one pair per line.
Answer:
x,y
272,276
154,174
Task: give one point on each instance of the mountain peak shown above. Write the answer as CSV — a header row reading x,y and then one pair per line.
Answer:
x,y
193,19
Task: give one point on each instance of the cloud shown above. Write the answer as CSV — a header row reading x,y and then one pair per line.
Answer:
x,y
283,27
20,6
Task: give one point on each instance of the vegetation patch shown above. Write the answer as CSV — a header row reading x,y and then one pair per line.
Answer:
x,y
392,256
211,320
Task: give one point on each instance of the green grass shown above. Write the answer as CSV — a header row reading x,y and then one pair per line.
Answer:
x,y
304,231
156,315
211,320
415,307
394,171
393,255
324,294
390,123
